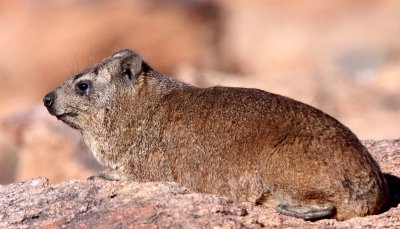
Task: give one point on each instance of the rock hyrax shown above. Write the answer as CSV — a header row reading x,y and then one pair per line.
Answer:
x,y
246,144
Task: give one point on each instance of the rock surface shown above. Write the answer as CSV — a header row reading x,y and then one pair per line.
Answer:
x,y
98,203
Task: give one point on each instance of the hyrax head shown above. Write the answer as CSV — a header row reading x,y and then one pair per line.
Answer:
x,y
82,100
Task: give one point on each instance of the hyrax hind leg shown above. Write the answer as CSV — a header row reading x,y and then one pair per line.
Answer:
x,y
304,211
307,212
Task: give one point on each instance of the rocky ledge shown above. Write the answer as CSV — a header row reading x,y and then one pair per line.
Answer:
x,y
105,204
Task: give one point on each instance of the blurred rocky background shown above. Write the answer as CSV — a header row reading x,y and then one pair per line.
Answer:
x,y
340,56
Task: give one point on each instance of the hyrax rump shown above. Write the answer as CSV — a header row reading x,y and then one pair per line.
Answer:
x,y
246,144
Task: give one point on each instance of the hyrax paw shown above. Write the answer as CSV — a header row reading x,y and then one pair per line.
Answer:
x,y
105,176
94,177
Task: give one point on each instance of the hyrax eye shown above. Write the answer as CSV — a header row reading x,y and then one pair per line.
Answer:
x,y
83,87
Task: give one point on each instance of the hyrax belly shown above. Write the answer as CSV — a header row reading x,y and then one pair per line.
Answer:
x,y
245,144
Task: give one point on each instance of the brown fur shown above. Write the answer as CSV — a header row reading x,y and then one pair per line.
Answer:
x,y
245,144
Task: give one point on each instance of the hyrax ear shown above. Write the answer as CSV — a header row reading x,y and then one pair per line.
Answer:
x,y
128,64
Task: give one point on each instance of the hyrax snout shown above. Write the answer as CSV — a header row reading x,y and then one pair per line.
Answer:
x,y
246,144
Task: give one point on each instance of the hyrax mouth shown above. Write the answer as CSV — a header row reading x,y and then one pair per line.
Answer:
x,y
64,115
65,119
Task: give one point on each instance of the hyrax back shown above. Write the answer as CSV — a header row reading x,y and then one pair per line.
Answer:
x,y
245,144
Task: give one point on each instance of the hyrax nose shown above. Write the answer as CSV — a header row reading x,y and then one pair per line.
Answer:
x,y
48,100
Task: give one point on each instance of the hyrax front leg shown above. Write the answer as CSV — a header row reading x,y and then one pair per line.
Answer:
x,y
307,212
108,174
